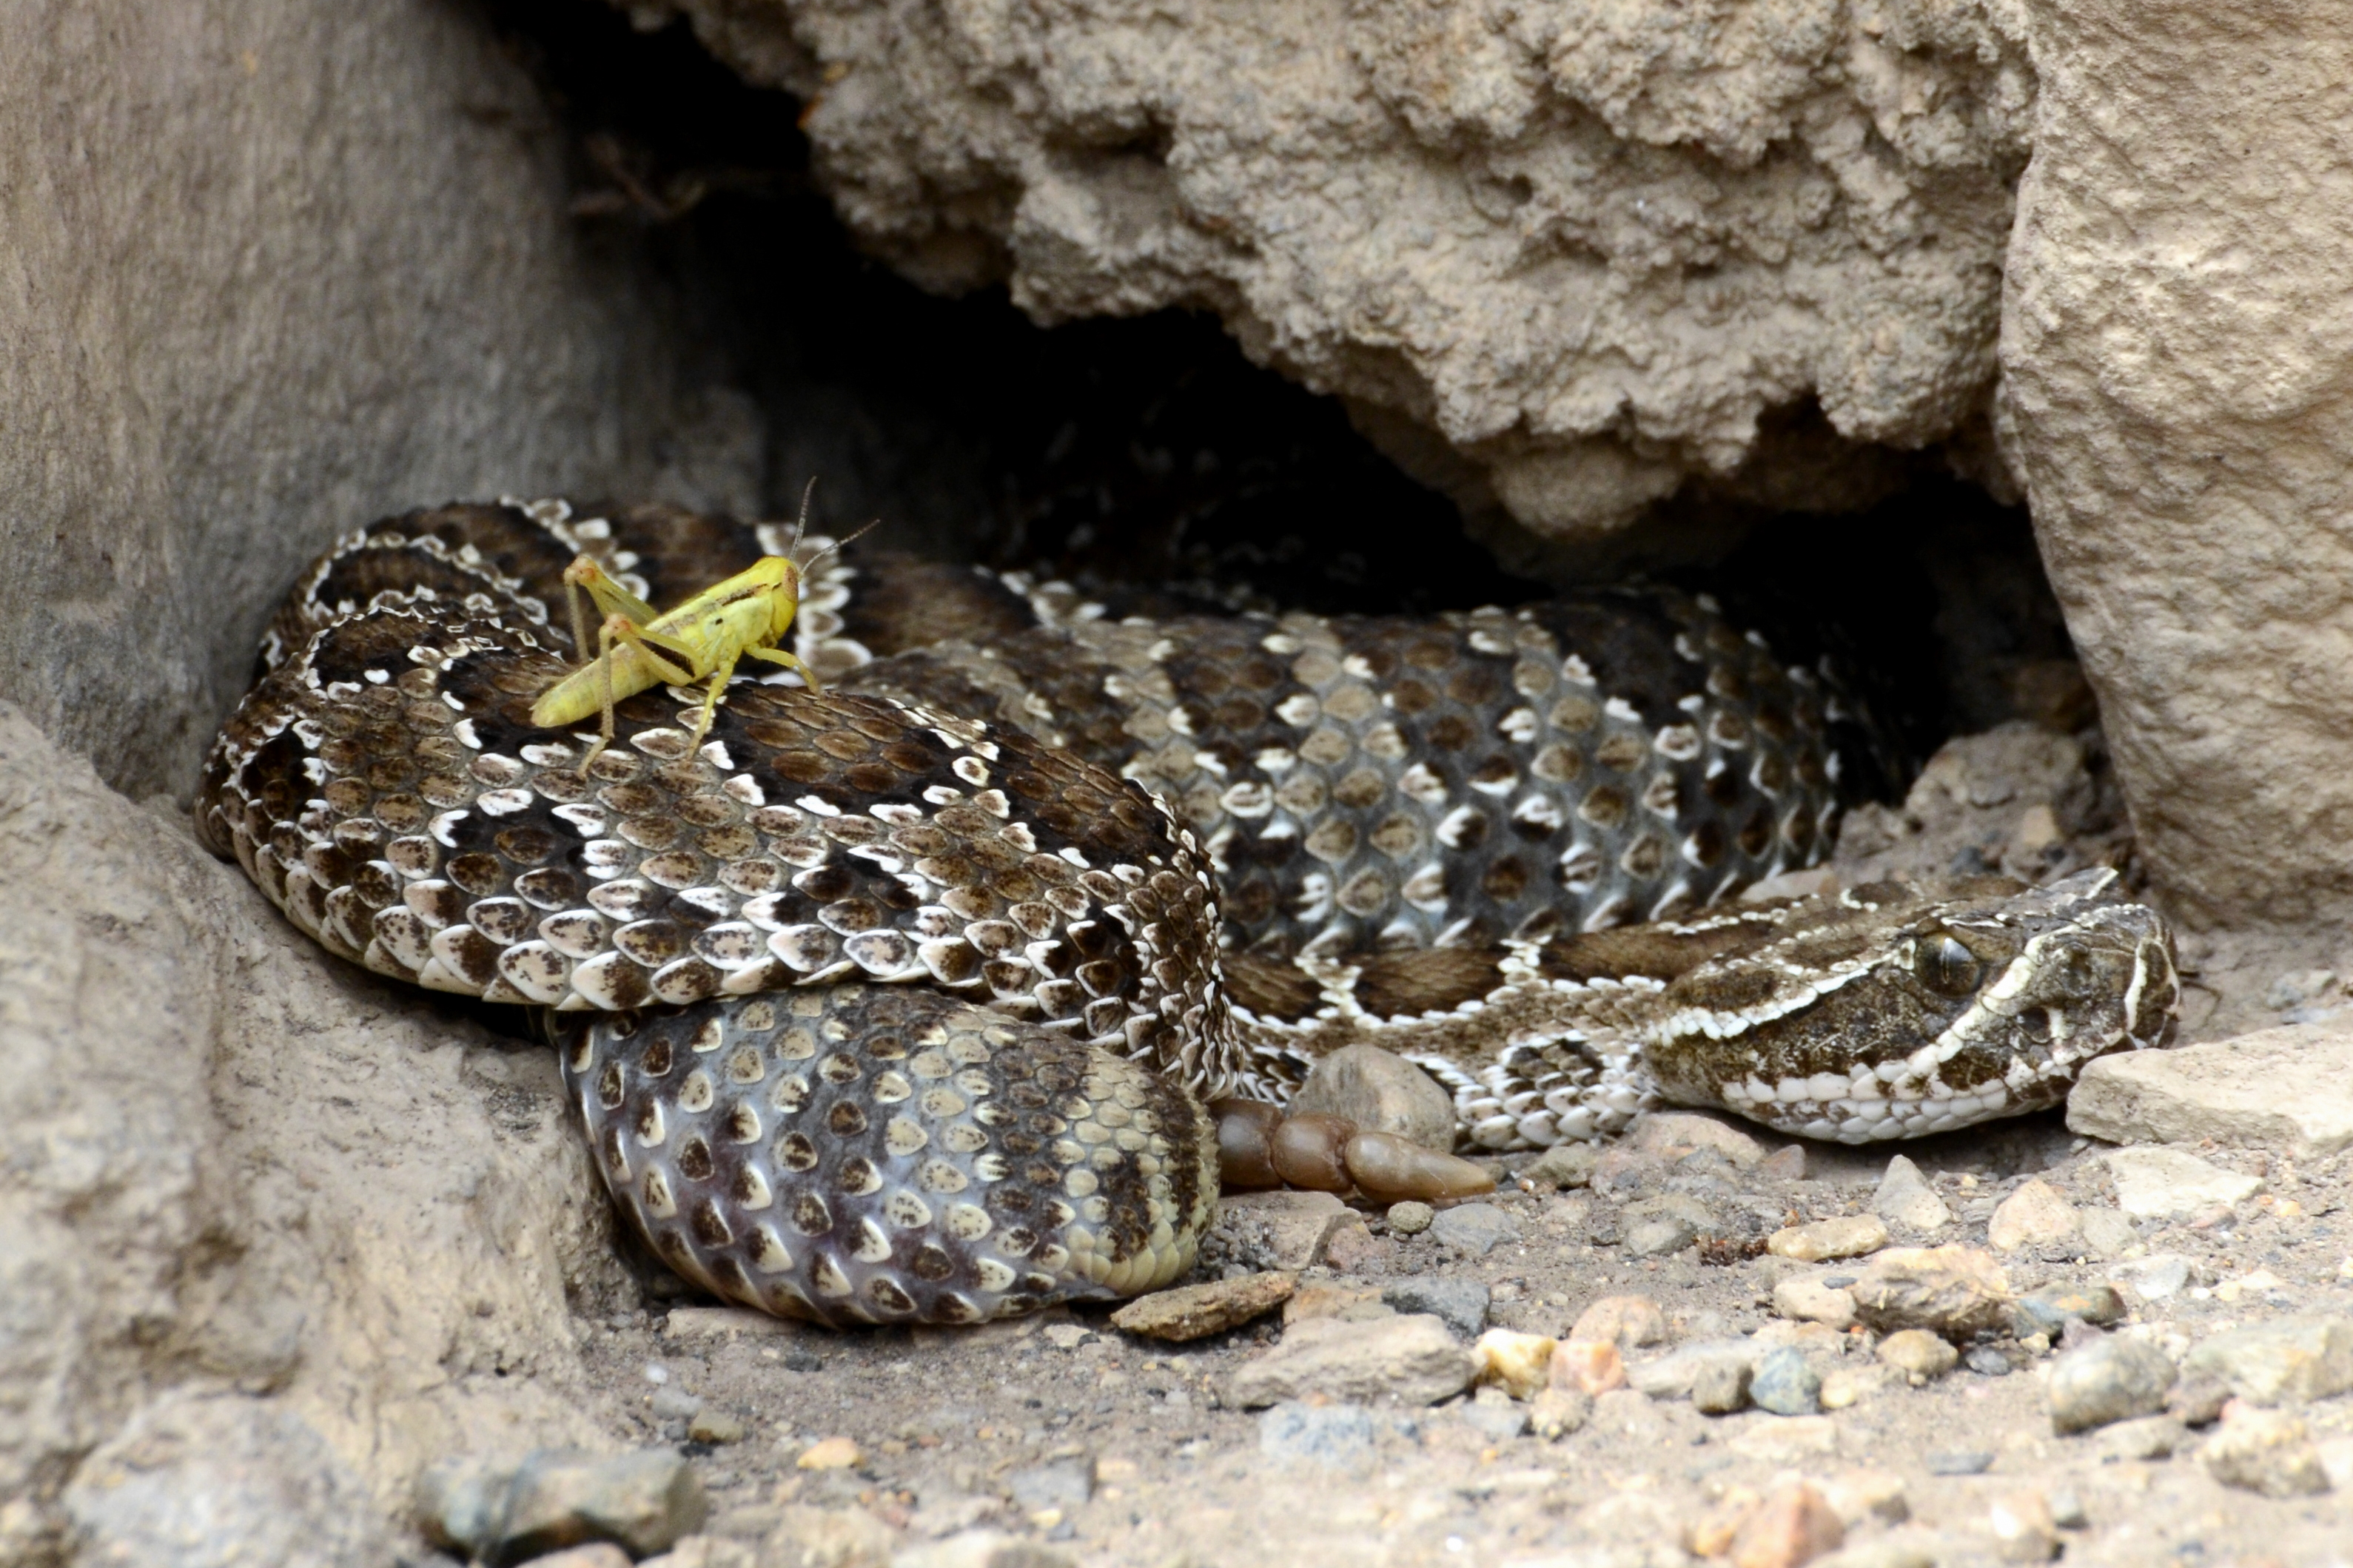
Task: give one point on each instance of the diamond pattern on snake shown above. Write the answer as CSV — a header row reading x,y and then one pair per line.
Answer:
x,y
902,1000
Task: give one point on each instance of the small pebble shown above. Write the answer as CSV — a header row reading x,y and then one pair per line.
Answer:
x,y
1380,1091
1558,1411
1920,1355
1461,1304
1496,1414
710,1426
1855,1236
2144,1437
2111,1379
1813,1300
1987,1361
830,1454
1720,1385
2286,1361
2050,1309
1794,1525
1563,1166
1338,1435
1410,1218
1905,1198
1413,1359
674,1403
2022,1528
1593,1367
1785,1385
2036,1214
1520,1364
2266,1452
1475,1228
1950,1290
1659,1238
1958,1462
2198,1399
1627,1321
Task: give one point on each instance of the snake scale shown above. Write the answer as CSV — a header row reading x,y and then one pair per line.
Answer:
x,y
899,1001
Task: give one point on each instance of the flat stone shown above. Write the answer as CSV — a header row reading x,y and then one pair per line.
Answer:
x,y
1793,1525
977,1549
1496,1415
1670,1135
1461,1304
2022,1528
1953,1290
1660,1238
1672,1376
2166,1184
2107,1233
1409,1359
1987,1361
1559,1411
2049,1310
2285,1361
709,1426
1626,1322
1291,1228
1904,1198
2287,1088
2265,1451
1475,1228
1920,1355
830,1454
1794,1440
1868,1497
2143,1437
643,1502
2111,1379
1591,1367
1195,1312
1786,1384
1854,1236
1380,1092
1957,1462
806,1537
2156,1277
2036,1214
1066,1483
1805,1298
1563,1166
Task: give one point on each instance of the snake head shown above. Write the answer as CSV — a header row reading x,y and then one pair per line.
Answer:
x,y
1895,1010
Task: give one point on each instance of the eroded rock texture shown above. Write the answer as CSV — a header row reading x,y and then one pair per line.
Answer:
x,y
1595,247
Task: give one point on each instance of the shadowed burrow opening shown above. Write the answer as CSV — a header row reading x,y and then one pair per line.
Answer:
x,y
1150,450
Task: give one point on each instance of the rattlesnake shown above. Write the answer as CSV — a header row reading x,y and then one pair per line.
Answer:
x,y
897,1002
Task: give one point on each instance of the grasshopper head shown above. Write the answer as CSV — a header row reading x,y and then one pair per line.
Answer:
x,y
785,602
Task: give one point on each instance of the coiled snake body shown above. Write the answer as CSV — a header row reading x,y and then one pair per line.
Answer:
x,y
895,1003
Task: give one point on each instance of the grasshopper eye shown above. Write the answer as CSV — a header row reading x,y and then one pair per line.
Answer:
x,y
1942,964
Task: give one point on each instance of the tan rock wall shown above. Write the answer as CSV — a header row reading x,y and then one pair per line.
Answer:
x,y
267,272
2178,355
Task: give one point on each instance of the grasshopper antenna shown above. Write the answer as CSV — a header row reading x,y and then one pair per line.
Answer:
x,y
800,523
839,544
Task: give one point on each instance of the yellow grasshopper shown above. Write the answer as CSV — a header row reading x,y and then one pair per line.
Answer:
x,y
639,647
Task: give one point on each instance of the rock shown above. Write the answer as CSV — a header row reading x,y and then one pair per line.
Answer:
x,y
2049,1310
2166,1184
1670,1376
1410,1359
1062,1483
2022,1528
1785,1385
2265,1451
2036,1214
2199,1399
1854,1237
728,1323
1882,1552
1354,1248
2143,1437
2107,1233
1867,1497
830,1454
1720,1385
674,1403
1560,1410
1952,1290
1794,1524
1459,1304
981,1549
1289,1229
1987,1361
1904,1198
1846,1386
1196,1311
709,1426
805,1537
1333,1299
2285,1361
1796,1440
1520,1364
1918,1354
555,1497
1957,1462
2111,1379
1380,1092
1670,1135
2156,1277
1787,1163
184,1200
192,1480
1627,1321
1591,1367
1660,1237
2251,835
1410,1218
1475,1228
1495,1415
1341,1436
1563,1166
2289,1089
1806,1299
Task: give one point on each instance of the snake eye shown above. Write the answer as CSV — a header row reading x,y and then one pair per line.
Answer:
x,y
1945,967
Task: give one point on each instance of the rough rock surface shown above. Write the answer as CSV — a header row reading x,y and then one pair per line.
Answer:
x,y
271,274
234,1168
1560,256
2175,375
2288,1088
